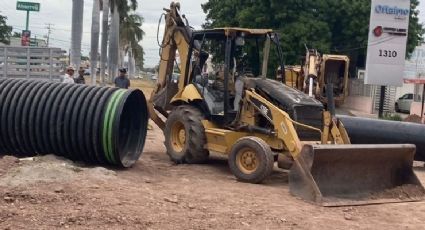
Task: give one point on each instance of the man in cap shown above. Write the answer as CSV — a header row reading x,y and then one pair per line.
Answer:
x,y
68,77
80,78
122,81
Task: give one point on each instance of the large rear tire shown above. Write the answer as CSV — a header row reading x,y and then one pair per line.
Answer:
x,y
185,136
251,160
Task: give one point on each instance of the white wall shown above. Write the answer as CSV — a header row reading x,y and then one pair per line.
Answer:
x,y
406,88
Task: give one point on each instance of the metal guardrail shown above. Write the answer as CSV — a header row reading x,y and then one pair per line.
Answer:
x,y
31,62
389,102
358,88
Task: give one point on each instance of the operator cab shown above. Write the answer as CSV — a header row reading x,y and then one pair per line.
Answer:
x,y
224,60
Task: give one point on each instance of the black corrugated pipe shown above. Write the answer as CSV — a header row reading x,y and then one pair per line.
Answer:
x,y
98,125
373,131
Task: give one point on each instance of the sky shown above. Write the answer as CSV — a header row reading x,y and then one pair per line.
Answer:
x,y
58,13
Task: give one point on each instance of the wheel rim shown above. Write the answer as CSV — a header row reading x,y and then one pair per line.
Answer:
x,y
178,137
247,161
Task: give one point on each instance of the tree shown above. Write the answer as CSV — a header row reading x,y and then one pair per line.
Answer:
x,y
335,26
76,32
17,34
104,40
139,59
94,45
119,10
5,31
416,29
296,21
113,49
131,34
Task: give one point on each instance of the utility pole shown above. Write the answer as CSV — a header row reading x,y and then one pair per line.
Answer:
x,y
49,31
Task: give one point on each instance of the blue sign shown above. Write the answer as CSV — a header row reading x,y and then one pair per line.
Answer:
x,y
392,10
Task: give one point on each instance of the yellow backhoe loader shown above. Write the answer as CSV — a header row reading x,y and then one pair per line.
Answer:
x,y
223,103
325,71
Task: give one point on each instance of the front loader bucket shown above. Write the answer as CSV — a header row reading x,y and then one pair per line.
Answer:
x,y
339,175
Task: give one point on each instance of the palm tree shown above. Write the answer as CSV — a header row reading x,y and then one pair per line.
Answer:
x,y
104,43
131,63
130,36
119,10
113,43
94,39
138,55
76,32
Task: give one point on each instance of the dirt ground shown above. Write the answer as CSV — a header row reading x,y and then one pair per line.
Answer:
x,y
49,193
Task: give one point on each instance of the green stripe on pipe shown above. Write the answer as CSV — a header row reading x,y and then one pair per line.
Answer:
x,y
111,126
106,124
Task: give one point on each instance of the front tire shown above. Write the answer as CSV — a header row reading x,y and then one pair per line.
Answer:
x,y
185,136
251,160
397,109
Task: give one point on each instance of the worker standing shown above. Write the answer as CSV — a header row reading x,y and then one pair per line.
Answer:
x,y
80,78
122,80
68,77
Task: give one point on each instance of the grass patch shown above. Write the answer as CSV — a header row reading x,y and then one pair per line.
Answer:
x,y
392,117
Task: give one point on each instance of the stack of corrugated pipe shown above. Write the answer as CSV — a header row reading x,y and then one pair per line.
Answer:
x,y
97,125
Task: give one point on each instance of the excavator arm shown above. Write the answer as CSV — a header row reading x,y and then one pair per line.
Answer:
x,y
176,39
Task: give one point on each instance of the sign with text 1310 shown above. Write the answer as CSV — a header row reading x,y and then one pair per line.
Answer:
x,y
388,30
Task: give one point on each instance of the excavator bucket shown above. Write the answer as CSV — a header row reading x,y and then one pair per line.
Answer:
x,y
340,175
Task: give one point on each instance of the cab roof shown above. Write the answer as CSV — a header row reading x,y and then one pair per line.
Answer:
x,y
230,30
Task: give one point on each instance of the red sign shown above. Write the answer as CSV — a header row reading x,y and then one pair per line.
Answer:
x,y
26,38
378,31
415,81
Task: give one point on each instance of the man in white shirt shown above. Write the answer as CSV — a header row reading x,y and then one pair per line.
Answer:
x,y
68,77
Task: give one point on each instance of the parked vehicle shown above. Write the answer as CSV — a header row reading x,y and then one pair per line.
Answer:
x,y
403,103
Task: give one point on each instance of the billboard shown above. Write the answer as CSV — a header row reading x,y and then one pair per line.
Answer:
x,y
26,38
386,52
